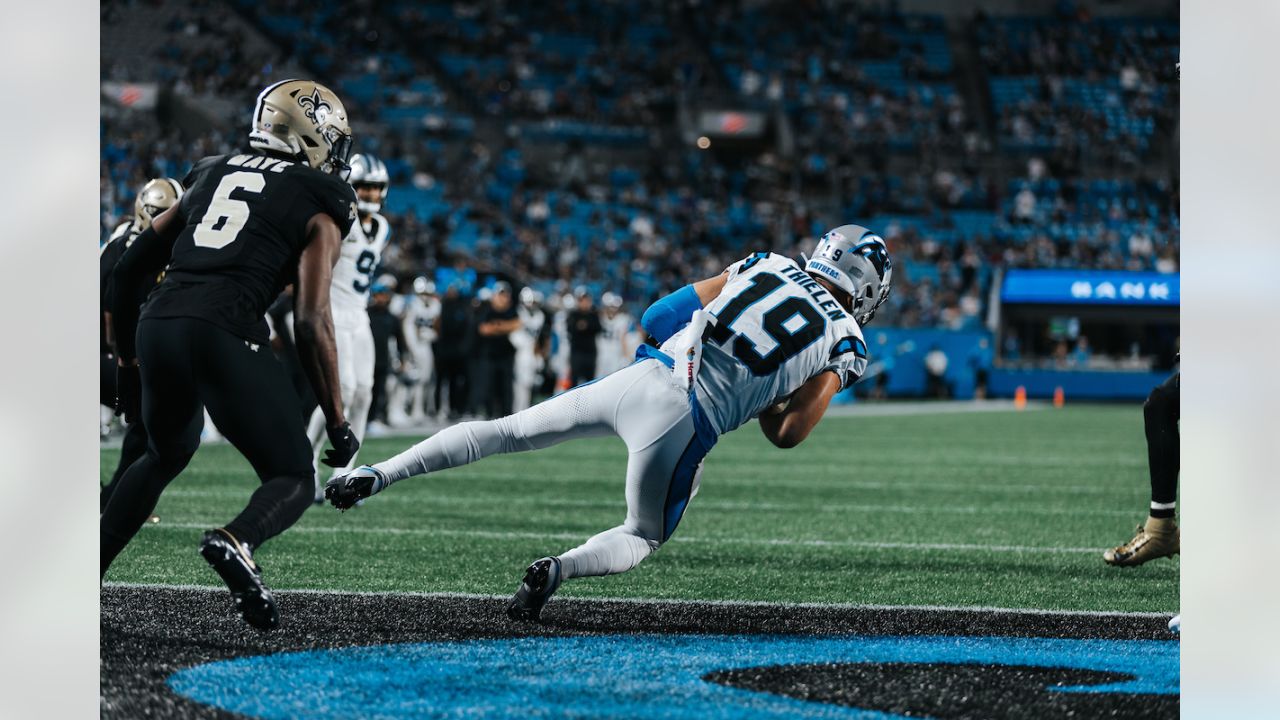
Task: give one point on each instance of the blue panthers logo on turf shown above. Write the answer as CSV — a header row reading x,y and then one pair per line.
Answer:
x,y
624,676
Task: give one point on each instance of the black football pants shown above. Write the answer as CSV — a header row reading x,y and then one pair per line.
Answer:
x,y
135,437
1160,415
186,364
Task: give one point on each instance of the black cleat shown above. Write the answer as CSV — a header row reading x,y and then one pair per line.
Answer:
x,y
347,491
541,580
235,565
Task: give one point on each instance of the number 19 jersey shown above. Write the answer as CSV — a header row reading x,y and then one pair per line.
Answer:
x,y
775,329
245,226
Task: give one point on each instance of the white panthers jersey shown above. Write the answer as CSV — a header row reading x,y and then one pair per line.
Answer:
x,y
420,318
361,253
612,350
775,329
531,320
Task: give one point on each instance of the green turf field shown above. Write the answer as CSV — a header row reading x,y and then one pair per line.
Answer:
x,y
1004,509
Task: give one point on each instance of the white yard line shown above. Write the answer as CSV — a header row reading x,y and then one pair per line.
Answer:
x,y
671,601
941,506
785,542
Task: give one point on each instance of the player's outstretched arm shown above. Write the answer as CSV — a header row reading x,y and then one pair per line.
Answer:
x,y
789,426
313,331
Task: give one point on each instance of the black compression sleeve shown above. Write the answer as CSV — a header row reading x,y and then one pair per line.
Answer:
x,y
145,258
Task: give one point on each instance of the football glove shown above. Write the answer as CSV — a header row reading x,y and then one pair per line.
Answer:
x,y
345,491
128,392
345,446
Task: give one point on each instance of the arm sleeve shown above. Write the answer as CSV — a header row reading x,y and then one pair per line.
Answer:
x,y
848,360
139,264
665,317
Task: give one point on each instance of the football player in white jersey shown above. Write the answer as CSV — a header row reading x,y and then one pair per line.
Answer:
x,y
529,356
421,318
349,297
768,338
613,349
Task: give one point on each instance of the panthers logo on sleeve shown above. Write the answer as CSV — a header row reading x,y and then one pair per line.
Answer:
x,y
849,360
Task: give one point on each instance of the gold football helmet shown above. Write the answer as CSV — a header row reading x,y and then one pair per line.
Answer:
x,y
155,197
304,120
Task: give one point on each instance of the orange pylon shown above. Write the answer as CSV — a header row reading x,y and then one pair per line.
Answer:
x,y
1020,397
1059,397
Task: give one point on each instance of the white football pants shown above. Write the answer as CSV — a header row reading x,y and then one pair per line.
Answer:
x,y
526,375
640,404
424,362
355,379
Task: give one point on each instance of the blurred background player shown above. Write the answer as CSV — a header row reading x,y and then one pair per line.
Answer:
x,y
558,313
155,197
352,278
495,364
1159,536
582,324
385,326
707,379
531,343
247,225
613,345
421,323
457,324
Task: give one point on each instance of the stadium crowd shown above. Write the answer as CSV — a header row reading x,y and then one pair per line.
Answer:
x,y
612,202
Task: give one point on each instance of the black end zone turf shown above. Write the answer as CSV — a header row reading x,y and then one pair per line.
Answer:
x,y
952,692
149,633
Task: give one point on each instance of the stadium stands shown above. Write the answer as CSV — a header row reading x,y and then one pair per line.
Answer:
x,y
554,149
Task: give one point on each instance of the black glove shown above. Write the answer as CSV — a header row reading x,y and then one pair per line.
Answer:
x,y
344,447
128,392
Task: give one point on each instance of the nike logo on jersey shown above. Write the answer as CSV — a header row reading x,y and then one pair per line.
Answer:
x,y
816,291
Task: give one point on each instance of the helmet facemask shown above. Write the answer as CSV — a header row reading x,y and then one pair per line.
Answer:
x,y
155,197
369,171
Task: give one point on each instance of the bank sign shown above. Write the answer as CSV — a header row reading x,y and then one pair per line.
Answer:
x,y
1090,287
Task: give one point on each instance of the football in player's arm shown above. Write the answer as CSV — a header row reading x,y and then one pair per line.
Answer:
x,y
770,339
788,422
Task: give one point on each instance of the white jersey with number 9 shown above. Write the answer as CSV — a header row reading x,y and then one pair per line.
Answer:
x,y
361,254
775,329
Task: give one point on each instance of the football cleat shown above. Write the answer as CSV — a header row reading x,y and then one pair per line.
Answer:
x,y
1175,625
347,490
233,562
541,580
1159,538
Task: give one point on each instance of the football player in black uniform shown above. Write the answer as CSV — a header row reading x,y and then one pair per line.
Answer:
x,y
247,226
1159,536
156,196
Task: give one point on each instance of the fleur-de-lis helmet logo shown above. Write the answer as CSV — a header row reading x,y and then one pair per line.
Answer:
x,y
314,107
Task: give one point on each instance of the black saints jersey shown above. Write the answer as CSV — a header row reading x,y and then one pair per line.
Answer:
x,y
245,219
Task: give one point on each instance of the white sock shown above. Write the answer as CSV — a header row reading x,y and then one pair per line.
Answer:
x,y
458,445
612,551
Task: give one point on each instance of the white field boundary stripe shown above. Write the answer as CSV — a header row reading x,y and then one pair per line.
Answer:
x,y
456,500
574,537
444,595
1048,488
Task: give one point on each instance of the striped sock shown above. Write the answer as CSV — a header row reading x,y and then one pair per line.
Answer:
x,y
1163,510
